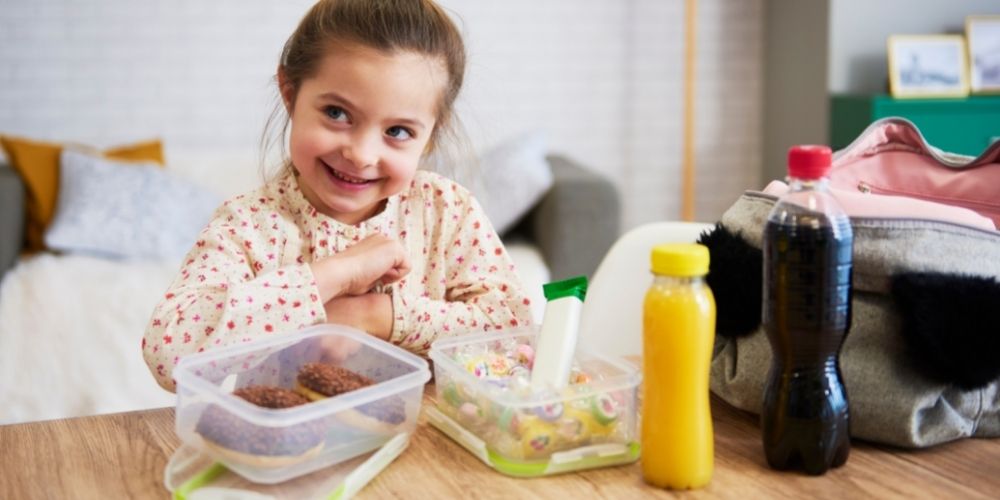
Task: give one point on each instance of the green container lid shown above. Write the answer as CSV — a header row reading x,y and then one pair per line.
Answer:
x,y
570,287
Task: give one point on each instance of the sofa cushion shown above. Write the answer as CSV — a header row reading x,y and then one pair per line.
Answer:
x,y
37,163
515,175
532,270
141,211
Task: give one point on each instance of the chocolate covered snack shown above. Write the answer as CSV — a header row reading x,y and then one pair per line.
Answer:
x,y
320,380
262,446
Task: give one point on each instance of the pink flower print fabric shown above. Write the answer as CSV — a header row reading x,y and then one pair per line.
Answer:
x,y
248,275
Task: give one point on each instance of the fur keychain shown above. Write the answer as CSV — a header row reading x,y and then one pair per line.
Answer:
x,y
951,326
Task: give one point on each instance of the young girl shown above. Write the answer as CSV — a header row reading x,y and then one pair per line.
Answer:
x,y
350,232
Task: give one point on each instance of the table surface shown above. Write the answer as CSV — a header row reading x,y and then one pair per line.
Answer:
x,y
123,455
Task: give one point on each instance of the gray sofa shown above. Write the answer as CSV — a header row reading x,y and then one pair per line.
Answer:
x,y
573,225
11,217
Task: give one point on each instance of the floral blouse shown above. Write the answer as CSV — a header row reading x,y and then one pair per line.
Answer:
x,y
248,275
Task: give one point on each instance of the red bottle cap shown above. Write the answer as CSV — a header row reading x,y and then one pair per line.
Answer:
x,y
808,162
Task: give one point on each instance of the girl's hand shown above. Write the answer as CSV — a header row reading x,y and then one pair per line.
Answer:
x,y
371,312
335,349
377,259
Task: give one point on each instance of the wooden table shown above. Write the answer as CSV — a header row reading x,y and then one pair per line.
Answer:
x,y
123,455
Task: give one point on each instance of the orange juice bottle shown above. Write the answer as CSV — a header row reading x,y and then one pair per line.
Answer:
x,y
678,332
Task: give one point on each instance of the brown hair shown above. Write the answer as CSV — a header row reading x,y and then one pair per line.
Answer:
x,y
387,25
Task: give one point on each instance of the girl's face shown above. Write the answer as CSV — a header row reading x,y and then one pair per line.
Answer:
x,y
360,126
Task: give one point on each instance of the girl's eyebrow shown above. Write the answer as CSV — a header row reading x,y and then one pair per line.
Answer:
x,y
413,122
333,96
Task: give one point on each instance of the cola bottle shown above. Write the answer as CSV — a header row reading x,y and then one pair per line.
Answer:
x,y
806,314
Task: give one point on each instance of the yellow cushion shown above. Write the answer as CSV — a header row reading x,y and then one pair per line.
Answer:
x,y
38,165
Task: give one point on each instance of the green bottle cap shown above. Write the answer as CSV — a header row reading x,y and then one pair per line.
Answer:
x,y
571,287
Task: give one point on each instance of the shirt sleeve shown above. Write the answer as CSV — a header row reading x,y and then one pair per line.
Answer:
x,y
228,292
482,290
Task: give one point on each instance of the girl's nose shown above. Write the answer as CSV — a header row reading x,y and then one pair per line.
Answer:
x,y
362,151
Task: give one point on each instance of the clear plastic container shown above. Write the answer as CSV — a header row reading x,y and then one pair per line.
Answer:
x,y
192,475
272,445
521,431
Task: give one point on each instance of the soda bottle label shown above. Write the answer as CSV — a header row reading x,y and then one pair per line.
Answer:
x,y
810,277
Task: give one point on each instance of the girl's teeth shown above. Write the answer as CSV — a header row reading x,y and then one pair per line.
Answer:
x,y
346,178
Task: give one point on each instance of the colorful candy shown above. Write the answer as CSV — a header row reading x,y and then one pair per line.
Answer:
x,y
518,360
573,416
525,355
578,378
604,409
478,366
470,412
451,395
549,412
537,437
574,426
509,421
499,366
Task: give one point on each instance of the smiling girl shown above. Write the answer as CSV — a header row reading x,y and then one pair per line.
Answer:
x,y
351,231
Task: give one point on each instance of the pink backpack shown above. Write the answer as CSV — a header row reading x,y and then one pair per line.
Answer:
x,y
891,172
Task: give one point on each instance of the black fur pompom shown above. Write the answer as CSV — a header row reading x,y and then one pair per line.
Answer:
x,y
949,328
735,278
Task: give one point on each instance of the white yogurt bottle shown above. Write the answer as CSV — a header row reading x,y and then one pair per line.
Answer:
x,y
556,342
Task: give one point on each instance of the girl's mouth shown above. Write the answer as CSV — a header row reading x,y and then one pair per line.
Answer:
x,y
346,179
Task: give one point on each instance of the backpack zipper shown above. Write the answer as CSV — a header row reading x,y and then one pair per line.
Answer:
x,y
985,209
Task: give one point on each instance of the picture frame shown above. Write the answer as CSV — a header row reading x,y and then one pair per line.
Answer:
x,y
983,35
927,66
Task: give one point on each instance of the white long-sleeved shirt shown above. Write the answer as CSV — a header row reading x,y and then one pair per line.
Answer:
x,y
248,275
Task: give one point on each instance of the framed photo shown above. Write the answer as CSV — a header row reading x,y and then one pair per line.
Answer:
x,y
927,66
983,33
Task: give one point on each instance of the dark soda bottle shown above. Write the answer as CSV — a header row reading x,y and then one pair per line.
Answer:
x,y
806,314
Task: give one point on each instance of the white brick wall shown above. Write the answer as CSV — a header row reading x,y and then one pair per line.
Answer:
x,y
729,103
602,77
192,72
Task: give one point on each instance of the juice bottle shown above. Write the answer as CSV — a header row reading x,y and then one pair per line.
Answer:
x,y
678,333
806,314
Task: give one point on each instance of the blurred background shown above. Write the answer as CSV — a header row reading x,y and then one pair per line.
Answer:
x,y
603,78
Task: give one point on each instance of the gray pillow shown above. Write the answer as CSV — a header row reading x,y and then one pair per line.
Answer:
x,y
515,176
135,210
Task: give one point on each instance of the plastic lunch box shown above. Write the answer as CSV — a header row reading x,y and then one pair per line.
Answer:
x,y
523,432
308,437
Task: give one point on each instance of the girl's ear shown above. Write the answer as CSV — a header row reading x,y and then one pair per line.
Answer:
x,y
286,89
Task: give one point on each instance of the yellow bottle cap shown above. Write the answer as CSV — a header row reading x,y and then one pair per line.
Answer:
x,y
680,259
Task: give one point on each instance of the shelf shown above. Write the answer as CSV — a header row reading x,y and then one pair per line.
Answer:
x,y
960,125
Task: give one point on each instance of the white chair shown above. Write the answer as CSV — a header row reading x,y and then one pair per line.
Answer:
x,y
611,319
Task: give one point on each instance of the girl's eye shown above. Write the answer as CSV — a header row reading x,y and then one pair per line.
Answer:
x,y
400,133
336,113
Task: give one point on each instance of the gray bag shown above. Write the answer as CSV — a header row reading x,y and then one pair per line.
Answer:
x,y
921,361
